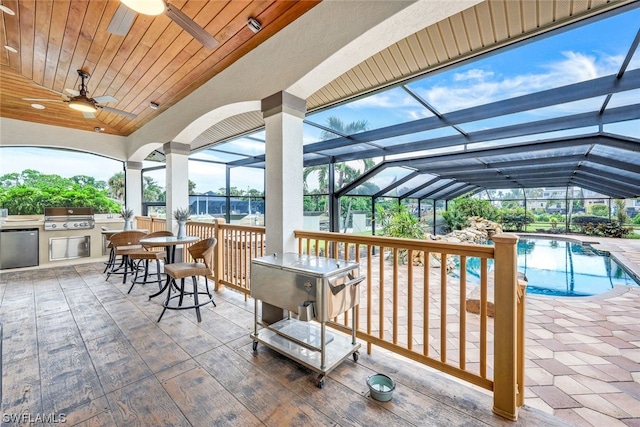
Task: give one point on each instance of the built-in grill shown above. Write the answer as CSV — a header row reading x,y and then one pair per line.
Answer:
x,y
56,219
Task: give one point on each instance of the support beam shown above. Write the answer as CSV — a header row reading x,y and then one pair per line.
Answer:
x,y
133,184
283,114
177,172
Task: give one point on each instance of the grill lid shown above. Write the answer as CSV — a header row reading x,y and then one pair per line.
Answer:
x,y
68,212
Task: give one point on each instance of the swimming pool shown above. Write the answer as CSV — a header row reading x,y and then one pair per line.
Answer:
x,y
565,268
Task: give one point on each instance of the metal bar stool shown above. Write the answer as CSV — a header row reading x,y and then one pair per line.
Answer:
x,y
146,254
110,263
124,243
202,250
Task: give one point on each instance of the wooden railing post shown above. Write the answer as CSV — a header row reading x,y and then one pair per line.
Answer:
x,y
505,391
219,253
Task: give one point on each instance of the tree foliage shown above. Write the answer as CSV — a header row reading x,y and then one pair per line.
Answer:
x,y
151,191
116,186
29,192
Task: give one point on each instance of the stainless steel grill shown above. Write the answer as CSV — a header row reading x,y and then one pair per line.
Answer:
x,y
56,219
317,289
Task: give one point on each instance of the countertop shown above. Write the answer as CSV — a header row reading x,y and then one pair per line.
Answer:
x,y
22,221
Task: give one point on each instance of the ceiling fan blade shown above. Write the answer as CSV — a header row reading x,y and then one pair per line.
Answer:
x,y
105,98
190,26
88,115
72,91
43,100
116,111
122,21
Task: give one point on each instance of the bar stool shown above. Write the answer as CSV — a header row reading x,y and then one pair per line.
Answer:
x,y
124,243
202,250
112,257
146,254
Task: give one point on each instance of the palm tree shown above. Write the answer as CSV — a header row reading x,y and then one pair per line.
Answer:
x,y
116,186
344,172
338,125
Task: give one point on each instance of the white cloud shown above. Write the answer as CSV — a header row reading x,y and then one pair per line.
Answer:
x,y
477,87
383,100
473,74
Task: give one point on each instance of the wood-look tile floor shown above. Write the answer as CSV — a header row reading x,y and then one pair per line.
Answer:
x,y
78,349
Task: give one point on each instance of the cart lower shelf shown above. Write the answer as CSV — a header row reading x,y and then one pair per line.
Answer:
x,y
301,342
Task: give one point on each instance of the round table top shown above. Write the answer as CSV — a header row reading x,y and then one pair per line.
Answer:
x,y
168,240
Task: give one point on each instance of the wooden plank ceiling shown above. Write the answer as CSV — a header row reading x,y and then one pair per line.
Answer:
x,y
157,61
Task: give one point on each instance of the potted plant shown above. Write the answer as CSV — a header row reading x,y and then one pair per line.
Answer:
x,y
182,215
127,214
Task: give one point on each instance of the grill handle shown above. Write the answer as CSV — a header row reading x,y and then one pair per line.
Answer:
x,y
335,290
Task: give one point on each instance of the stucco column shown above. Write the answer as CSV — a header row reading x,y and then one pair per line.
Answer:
x,y
283,114
177,162
133,186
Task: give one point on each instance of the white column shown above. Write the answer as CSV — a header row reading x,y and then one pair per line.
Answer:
x,y
133,186
177,162
283,114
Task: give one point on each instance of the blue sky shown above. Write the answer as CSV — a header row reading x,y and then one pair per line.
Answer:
x,y
583,53
576,55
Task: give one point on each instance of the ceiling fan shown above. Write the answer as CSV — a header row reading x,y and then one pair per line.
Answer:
x,y
80,101
123,19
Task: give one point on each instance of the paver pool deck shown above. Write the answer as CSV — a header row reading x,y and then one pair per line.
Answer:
x,y
583,353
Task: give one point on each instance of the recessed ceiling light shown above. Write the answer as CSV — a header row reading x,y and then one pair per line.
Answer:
x,y
5,9
254,25
10,48
154,105
38,106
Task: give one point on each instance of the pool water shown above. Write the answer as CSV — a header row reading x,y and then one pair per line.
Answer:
x,y
566,268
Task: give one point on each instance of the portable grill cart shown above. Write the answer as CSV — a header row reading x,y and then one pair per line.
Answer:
x,y
317,289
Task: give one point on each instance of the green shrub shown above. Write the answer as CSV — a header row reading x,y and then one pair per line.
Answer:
x,y
621,213
636,219
585,219
460,209
599,210
606,229
515,219
543,217
399,222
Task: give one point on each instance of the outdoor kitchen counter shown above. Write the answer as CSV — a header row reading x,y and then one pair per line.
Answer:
x,y
18,222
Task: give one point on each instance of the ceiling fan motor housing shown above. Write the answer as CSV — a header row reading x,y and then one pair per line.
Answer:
x,y
83,87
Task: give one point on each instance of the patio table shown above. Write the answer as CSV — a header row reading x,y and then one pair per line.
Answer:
x,y
170,242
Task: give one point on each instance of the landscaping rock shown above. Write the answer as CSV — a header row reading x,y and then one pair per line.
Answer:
x,y
480,231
